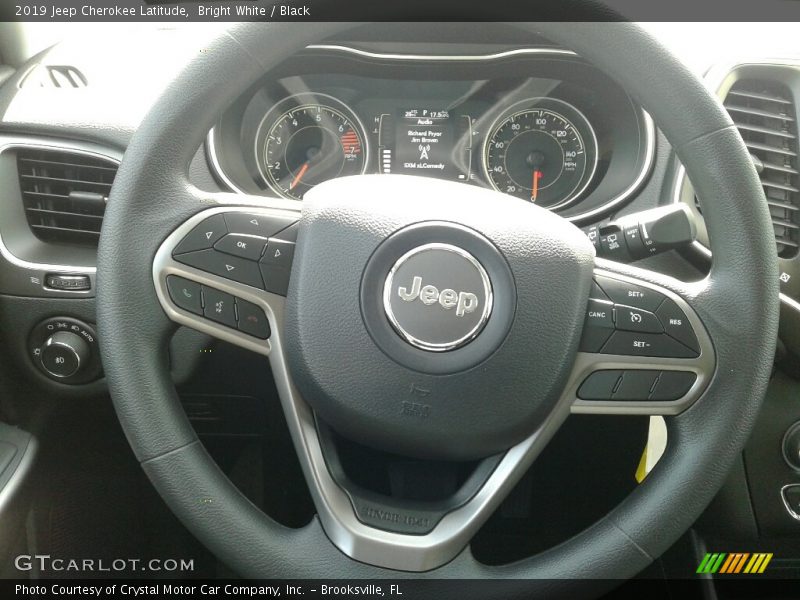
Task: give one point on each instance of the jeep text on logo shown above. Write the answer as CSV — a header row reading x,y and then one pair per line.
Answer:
x,y
463,302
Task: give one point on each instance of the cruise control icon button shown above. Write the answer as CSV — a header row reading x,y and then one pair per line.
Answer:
x,y
629,318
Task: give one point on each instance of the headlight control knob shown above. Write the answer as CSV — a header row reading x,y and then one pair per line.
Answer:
x,y
64,349
64,353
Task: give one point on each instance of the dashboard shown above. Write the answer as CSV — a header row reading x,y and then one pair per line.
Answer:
x,y
538,124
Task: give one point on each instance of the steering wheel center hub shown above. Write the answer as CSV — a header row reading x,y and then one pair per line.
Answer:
x,y
437,297
434,302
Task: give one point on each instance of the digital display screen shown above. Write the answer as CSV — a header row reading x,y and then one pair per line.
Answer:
x,y
424,144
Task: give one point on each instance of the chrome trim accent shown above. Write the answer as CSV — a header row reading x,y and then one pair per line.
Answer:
x,y
789,509
714,80
10,142
441,57
703,366
359,541
485,312
211,149
646,120
20,474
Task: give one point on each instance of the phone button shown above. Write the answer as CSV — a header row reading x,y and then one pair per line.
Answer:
x,y
186,294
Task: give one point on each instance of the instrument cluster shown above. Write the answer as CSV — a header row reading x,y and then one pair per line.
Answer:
x,y
538,124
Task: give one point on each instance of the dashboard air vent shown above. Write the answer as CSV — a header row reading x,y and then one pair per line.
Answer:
x,y
55,76
764,112
64,194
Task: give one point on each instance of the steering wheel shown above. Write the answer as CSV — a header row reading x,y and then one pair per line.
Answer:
x,y
431,319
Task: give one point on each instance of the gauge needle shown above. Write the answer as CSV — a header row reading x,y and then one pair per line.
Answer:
x,y
299,175
537,175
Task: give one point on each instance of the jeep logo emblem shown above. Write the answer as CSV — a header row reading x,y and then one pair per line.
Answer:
x,y
439,317
463,302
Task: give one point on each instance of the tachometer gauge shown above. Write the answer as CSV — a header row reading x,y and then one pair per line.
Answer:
x,y
306,140
541,150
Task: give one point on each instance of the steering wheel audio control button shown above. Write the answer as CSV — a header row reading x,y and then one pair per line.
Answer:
x,y
203,236
186,294
600,385
629,343
635,385
629,318
677,325
256,224
219,307
224,265
249,247
629,294
673,385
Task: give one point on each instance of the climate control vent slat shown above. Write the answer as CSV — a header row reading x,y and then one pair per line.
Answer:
x,y
765,113
64,193
768,148
758,112
759,96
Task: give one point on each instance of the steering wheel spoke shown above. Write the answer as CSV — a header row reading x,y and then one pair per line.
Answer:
x,y
644,349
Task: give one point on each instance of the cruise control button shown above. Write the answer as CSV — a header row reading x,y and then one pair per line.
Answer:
x,y
676,324
219,307
600,314
598,326
599,385
255,224
629,294
279,253
203,236
635,385
245,246
224,265
672,385
252,319
629,318
630,343
186,294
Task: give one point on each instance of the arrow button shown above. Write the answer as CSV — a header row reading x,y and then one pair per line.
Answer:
x,y
256,224
204,236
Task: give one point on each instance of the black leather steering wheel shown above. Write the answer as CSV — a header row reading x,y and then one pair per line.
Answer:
x,y
540,269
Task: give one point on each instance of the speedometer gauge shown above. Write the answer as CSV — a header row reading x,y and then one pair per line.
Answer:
x,y
541,150
309,139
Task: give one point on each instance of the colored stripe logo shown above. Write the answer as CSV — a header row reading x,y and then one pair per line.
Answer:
x,y
734,563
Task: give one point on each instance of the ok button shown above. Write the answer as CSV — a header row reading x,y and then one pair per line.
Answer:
x,y
244,246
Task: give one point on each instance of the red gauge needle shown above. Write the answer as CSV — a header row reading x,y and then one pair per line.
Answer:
x,y
299,175
537,175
